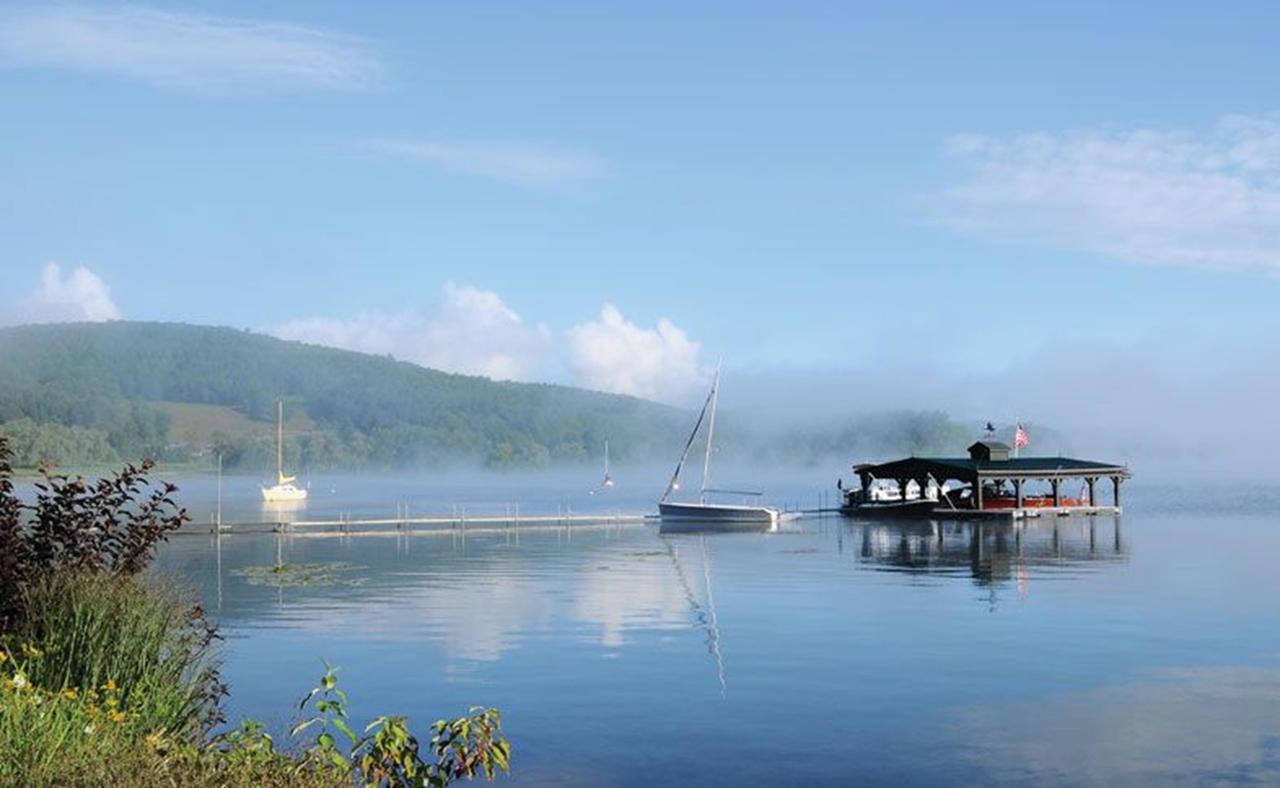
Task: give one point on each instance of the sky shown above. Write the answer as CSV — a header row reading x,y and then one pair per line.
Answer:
x,y
619,195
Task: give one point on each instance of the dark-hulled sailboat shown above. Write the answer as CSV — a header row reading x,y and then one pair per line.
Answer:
x,y
700,513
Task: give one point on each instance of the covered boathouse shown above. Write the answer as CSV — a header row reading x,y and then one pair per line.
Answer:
x,y
989,482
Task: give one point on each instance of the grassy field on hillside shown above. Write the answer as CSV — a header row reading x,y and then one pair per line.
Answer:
x,y
199,424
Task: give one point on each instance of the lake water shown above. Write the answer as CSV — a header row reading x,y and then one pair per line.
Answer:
x,y
1108,651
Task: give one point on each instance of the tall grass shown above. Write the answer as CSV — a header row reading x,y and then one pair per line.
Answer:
x,y
144,637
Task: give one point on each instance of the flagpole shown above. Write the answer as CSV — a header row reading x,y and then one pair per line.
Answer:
x,y
1017,427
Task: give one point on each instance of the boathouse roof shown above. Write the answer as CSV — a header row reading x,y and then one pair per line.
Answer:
x,y
970,469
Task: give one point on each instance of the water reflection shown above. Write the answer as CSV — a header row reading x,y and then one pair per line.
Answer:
x,y
992,552
704,613
715,527
720,651
1198,726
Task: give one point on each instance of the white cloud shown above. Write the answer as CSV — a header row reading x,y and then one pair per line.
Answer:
x,y
520,163
613,354
184,50
472,331
1209,199
79,295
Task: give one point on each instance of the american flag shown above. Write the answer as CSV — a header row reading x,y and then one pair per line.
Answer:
x,y
1019,437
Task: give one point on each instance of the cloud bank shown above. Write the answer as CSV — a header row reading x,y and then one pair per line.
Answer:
x,y
472,331
520,163
1209,199
77,295
613,354
180,50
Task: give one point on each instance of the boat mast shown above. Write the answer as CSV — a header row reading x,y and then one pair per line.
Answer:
x,y
675,477
711,431
280,441
606,458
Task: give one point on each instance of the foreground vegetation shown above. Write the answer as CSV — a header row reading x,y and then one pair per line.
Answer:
x,y
107,676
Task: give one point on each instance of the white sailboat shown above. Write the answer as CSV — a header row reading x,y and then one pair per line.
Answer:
x,y
701,512
284,490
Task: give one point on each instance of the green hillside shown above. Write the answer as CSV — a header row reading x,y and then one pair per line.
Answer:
x,y
74,392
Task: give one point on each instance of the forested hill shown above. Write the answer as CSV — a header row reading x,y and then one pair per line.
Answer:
x,y
99,392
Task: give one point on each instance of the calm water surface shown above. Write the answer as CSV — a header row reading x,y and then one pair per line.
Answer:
x,y
1134,650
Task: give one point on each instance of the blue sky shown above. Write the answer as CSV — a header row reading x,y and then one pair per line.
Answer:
x,y
967,187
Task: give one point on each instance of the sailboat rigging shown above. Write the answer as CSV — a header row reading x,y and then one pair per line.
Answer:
x,y
284,489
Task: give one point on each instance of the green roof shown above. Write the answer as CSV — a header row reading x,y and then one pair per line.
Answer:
x,y
966,468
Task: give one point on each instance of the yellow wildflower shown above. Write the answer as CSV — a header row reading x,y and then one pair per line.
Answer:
x,y
110,686
155,740
117,716
4,657
111,703
31,651
70,693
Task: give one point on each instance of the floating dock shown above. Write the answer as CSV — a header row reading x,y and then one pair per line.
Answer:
x,y
441,524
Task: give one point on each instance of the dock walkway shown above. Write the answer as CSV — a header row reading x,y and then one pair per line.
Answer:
x,y
443,524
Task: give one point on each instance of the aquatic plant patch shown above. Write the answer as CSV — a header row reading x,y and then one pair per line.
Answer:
x,y
287,575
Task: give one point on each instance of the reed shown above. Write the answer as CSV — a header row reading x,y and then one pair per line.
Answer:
x,y
144,636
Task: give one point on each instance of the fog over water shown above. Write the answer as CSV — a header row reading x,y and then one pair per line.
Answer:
x,y
1176,411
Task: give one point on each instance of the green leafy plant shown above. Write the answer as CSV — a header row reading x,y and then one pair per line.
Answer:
x,y
112,525
329,705
389,754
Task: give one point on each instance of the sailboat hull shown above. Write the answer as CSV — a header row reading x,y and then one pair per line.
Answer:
x,y
706,514
282,493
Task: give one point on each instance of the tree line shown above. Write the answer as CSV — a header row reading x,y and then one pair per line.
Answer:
x,y
66,389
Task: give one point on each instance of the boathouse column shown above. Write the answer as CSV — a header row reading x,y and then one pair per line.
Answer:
x,y
1057,491
1090,483
1115,490
1017,493
977,490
